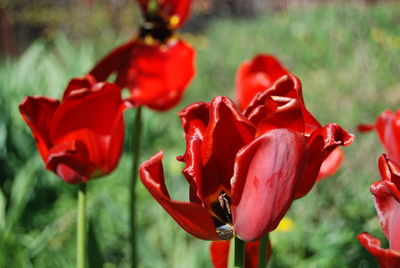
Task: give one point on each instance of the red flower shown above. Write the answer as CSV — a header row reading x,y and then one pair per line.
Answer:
x,y
245,167
253,79
219,251
387,126
156,74
173,13
81,137
256,75
386,195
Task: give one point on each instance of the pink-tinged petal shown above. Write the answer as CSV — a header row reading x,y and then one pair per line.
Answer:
x,y
386,195
38,113
267,172
219,251
331,164
387,258
157,75
113,62
322,142
228,130
256,75
388,128
192,217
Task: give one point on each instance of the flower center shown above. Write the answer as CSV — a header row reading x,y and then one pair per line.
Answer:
x,y
222,216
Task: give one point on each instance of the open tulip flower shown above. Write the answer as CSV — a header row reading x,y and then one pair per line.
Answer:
x,y
386,194
245,168
82,136
254,76
219,251
156,66
387,126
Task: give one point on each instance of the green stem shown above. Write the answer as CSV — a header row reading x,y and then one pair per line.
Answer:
x,y
81,228
263,251
236,253
135,143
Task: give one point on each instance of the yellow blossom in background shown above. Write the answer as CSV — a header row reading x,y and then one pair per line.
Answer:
x,y
286,225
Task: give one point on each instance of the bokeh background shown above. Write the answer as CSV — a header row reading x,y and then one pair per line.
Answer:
x,y
346,53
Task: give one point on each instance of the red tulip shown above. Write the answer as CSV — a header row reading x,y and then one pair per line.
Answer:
x,y
244,167
156,74
386,195
80,137
387,258
173,13
219,251
387,126
254,80
256,75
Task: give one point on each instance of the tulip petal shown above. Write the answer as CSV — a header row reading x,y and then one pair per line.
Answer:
x,y
387,258
227,131
387,201
322,142
388,130
282,105
38,113
157,75
113,62
263,186
219,251
256,75
331,164
192,217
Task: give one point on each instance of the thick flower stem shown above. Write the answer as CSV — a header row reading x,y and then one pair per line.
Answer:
x,y
237,253
81,228
263,251
135,143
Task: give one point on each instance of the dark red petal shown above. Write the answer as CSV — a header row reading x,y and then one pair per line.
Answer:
x,y
113,62
38,113
193,218
76,85
226,133
70,161
194,119
322,142
365,127
263,186
390,171
282,105
331,164
256,75
388,128
387,258
219,251
157,75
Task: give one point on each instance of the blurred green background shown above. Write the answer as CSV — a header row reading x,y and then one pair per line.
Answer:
x,y
347,56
